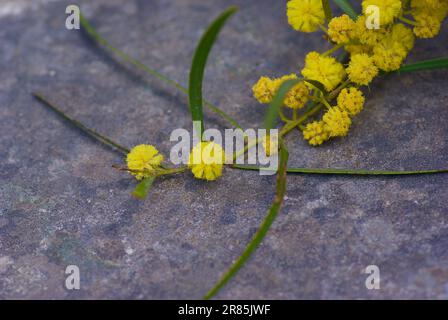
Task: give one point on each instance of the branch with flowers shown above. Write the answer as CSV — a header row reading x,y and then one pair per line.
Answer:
x,y
329,87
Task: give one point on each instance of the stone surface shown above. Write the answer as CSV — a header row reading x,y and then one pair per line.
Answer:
x,y
61,203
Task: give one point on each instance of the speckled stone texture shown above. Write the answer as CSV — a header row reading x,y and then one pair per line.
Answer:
x,y
61,203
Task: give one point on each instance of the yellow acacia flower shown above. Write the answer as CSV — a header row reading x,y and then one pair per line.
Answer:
x,y
143,157
264,90
428,26
340,29
361,69
206,161
436,8
324,69
367,36
400,33
316,133
389,9
351,100
388,54
305,15
297,97
337,122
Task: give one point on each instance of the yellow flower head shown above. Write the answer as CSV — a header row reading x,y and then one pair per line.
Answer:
x,y
369,37
361,69
388,55
351,100
337,122
316,133
400,33
324,69
206,160
389,9
305,15
264,90
436,8
143,157
428,26
340,29
297,97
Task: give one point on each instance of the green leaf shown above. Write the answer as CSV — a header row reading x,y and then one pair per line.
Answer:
x,y
92,133
346,171
141,190
439,63
347,8
198,65
272,112
318,85
93,35
264,227
327,9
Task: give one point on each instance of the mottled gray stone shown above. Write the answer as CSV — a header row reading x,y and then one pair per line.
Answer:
x,y
61,203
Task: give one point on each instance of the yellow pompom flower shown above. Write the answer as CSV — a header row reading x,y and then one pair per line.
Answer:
x,y
337,122
361,69
144,158
324,69
428,26
316,133
351,100
436,8
400,33
389,9
340,29
388,55
206,161
305,15
264,90
297,97
367,36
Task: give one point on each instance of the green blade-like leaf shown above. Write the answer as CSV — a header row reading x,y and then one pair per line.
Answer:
x,y
439,63
346,171
317,85
327,9
93,35
92,133
141,190
272,112
264,227
198,65
347,8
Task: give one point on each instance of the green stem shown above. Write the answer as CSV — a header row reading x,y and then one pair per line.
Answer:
x,y
100,40
408,21
92,133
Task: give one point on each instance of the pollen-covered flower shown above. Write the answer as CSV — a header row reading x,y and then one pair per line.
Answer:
x,y
400,33
264,90
340,29
428,26
206,161
324,69
144,159
305,15
436,8
337,122
389,9
316,133
388,55
297,96
351,100
367,36
361,69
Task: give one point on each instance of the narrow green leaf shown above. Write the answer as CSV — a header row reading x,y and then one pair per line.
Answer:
x,y
347,8
93,35
346,171
327,9
272,112
198,65
439,63
92,133
318,85
141,190
264,227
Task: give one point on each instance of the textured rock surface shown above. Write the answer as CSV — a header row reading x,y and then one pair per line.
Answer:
x,y
61,203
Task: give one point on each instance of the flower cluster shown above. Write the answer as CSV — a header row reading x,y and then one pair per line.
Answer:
x,y
370,49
